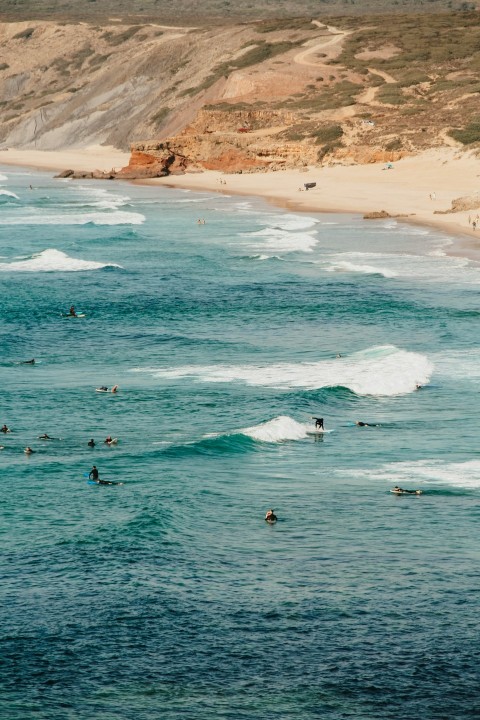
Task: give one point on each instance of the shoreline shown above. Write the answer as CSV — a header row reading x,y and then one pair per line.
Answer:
x,y
410,191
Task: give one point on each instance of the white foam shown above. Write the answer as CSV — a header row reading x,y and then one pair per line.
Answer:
x,y
344,266
3,178
463,474
95,218
279,429
52,261
384,370
434,267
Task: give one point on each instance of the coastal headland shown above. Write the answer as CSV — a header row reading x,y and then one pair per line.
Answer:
x,y
380,113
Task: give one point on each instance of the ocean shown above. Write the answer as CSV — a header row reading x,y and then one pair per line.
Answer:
x,y
169,596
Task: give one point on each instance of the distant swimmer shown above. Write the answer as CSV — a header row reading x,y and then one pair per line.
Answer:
x,y
45,437
270,517
402,491
364,424
5,429
91,443
108,482
318,423
418,387
28,362
93,474
28,450
338,356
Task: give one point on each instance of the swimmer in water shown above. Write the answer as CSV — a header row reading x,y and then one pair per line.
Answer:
x,y
270,517
364,424
5,429
91,443
28,450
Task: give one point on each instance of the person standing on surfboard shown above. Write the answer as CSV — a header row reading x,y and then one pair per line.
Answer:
x,y
319,423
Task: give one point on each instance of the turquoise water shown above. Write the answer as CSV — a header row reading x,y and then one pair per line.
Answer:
x,y
169,596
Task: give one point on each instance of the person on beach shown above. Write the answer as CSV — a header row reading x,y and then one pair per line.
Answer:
x,y
5,429
91,443
319,423
93,474
270,517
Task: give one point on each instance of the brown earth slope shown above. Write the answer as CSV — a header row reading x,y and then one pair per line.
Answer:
x,y
243,97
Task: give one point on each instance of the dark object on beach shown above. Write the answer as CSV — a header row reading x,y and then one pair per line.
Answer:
x,y
308,186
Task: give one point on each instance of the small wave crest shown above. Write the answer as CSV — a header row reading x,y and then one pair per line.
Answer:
x,y
52,260
5,194
344,266
385,371
279,429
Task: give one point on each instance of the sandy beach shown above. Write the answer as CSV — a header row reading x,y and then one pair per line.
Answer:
x,y
415,189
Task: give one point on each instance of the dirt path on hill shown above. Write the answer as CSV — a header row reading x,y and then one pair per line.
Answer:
x,y
336,36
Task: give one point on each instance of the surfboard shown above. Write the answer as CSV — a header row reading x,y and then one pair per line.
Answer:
x,y
78,315
101,390
113,441
405,492
104,482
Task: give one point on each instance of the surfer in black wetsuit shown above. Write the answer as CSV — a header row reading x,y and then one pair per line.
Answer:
x,y
93,474
364,424
270,517
28,362
319,423
407,492
91,443
5,429
72,311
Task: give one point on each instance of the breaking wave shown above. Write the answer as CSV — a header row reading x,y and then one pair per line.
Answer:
x,y
53,261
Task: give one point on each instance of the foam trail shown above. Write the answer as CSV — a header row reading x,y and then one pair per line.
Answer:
x,y
279,429
385,370
34,217
464,475
344,266
52,261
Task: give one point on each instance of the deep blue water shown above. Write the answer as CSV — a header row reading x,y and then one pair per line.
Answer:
x,y
169,596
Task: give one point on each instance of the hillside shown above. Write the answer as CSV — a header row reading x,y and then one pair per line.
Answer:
x,y
244,96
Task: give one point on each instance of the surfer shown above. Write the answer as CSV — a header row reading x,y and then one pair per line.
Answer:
x,y
91,443
72,312
364,424
319,423
270,517
93,474
5,429
400,491
114,388
45,437
28,450
28,362
102,388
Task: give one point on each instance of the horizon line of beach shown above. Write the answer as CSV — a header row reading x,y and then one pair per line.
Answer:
x,y
417,190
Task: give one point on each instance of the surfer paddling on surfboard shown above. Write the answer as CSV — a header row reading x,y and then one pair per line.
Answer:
x,y
400,491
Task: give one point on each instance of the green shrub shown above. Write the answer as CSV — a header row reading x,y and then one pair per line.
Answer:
x,y
24,34
467,135
328,134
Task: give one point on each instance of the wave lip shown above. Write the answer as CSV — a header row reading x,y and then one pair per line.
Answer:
x,y
384,371
8,193
52,260
345,266
278,429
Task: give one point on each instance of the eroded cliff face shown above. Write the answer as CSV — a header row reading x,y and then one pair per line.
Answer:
x,y
242,141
